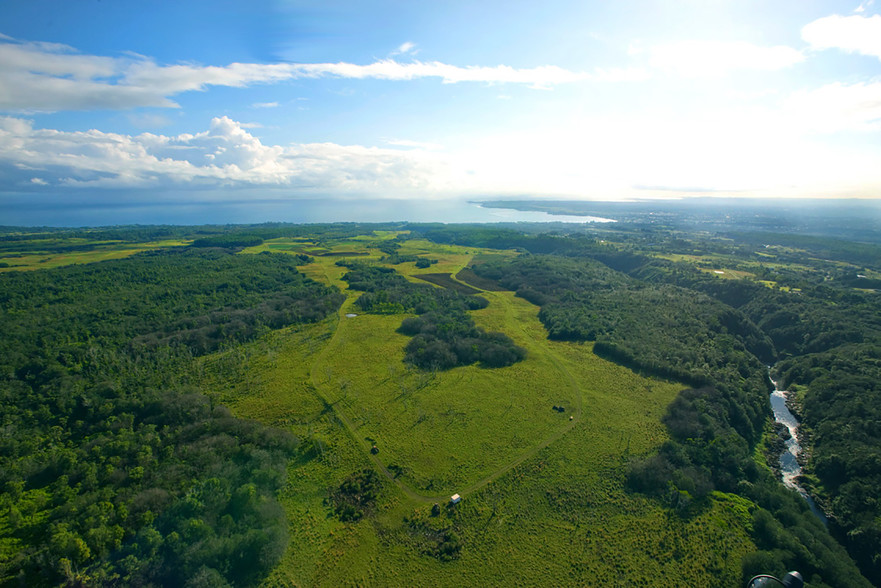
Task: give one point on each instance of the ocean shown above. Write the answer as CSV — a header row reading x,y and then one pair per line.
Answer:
x,y
61,212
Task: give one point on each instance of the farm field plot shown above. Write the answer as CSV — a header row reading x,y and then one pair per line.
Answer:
x,y
451,258
355,248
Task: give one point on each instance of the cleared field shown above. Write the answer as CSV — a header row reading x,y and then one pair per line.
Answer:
x,y
283,245
380,236
324,253
469,277
446,430
544,497
727,274
101,251
446,281
451,258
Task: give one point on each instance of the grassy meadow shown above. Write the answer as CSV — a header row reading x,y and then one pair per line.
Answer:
x,y
83,251
544,497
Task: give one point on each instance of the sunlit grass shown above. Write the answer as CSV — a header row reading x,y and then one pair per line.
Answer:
x,y
102,251
727,273
545,502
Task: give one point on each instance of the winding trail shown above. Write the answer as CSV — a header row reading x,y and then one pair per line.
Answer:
x,y
347,423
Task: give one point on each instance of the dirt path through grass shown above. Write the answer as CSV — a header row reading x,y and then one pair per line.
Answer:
x,y
539,346
341,415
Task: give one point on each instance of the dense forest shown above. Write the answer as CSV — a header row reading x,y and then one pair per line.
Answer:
x,y
116,468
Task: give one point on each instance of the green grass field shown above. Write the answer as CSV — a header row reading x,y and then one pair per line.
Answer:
x,y
544,496
95,251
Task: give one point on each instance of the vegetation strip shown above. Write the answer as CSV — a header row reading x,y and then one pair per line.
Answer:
x,y
445,281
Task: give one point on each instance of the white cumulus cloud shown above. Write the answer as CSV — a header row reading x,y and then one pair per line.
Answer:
x,y
224,155
389,69
853,34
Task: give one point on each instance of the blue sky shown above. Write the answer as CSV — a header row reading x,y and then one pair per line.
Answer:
x,y
596,100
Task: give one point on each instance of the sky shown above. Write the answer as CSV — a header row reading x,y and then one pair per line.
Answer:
x,y
195,101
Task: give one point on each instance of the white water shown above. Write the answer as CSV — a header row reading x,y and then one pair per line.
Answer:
x,y
789,466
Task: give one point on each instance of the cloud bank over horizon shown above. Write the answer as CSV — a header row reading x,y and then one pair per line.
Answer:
x,y
224,155
638,115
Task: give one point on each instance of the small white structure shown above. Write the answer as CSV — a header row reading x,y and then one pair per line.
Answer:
x,y
455,499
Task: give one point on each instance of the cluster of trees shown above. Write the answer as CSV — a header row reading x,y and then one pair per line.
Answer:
x,y
424,262
115,468
355,495
397,258
447,338
199,298
444,336
447,547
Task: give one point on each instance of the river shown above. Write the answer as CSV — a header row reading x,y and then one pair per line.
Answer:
x,y
789,466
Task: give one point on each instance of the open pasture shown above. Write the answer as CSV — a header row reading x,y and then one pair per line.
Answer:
x,y
451,258
544,496
81,251
283,245
558,513
446,430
